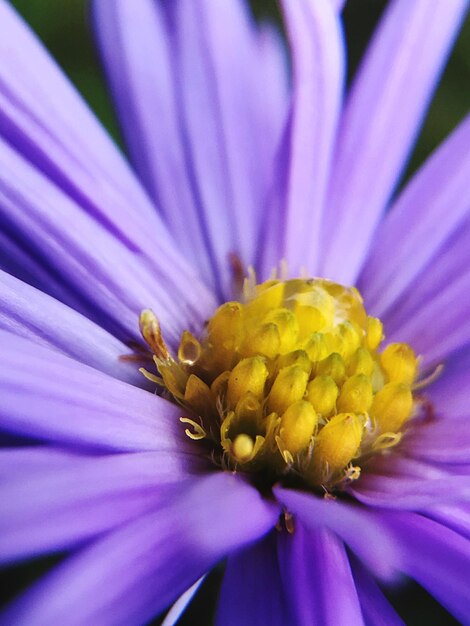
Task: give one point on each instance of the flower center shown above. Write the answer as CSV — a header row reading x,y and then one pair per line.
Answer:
x,y
291,383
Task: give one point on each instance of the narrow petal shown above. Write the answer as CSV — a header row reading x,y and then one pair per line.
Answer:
x,y
350,522
29,313
376,609
130,35
104,273
456,517
405,483
218,69
292,230
436,557
426,213
45,118
51,149
438,325
151,561
318,580
449,264
178,608
383,113
252,591
436,289
223,50
440,441
55,500
46,395
449,394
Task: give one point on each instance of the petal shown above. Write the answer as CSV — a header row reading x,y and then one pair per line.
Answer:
x,y
45,118
178,608
440,441
46,395
132,39
449,393
351,523
57,164
450,264
318,580
426,213
151,561
384,110
29,313
252,591
400,483
223,54
54,500
213,44
293,228
437,290
46,121
439,325
376,609
456,517
436,557
107,276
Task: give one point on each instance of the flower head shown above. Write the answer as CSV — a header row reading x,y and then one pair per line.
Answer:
x,y
303,428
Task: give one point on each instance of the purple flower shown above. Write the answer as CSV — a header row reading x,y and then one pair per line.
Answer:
x,y
229,159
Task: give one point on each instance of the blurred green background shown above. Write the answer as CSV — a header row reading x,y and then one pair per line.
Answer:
x,y
63,25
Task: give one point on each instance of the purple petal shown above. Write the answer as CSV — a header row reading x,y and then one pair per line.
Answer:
x,y
29,313
399,483
456,517
426,213
108,276
224,61
385,108
441,323
252,591
218,68
449,265
317,578
46,395
45,120
353,524
58,168
53,500
138,60
432,314
440,441
178,608
376,609
305,157
449,394
436,557
338,4
134,573
43,116
18,261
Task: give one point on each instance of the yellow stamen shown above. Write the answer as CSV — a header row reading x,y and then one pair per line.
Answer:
x,y
242,447
249,375
199,432
292,381
297,425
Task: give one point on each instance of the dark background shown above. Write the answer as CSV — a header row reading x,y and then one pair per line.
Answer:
x,y
64,27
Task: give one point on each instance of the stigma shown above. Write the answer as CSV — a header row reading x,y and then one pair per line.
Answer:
x,y
292,383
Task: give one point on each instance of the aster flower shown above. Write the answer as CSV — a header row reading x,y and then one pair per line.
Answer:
x,y
232,161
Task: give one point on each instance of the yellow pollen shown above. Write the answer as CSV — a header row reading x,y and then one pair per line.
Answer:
x,y
242,447
291,383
